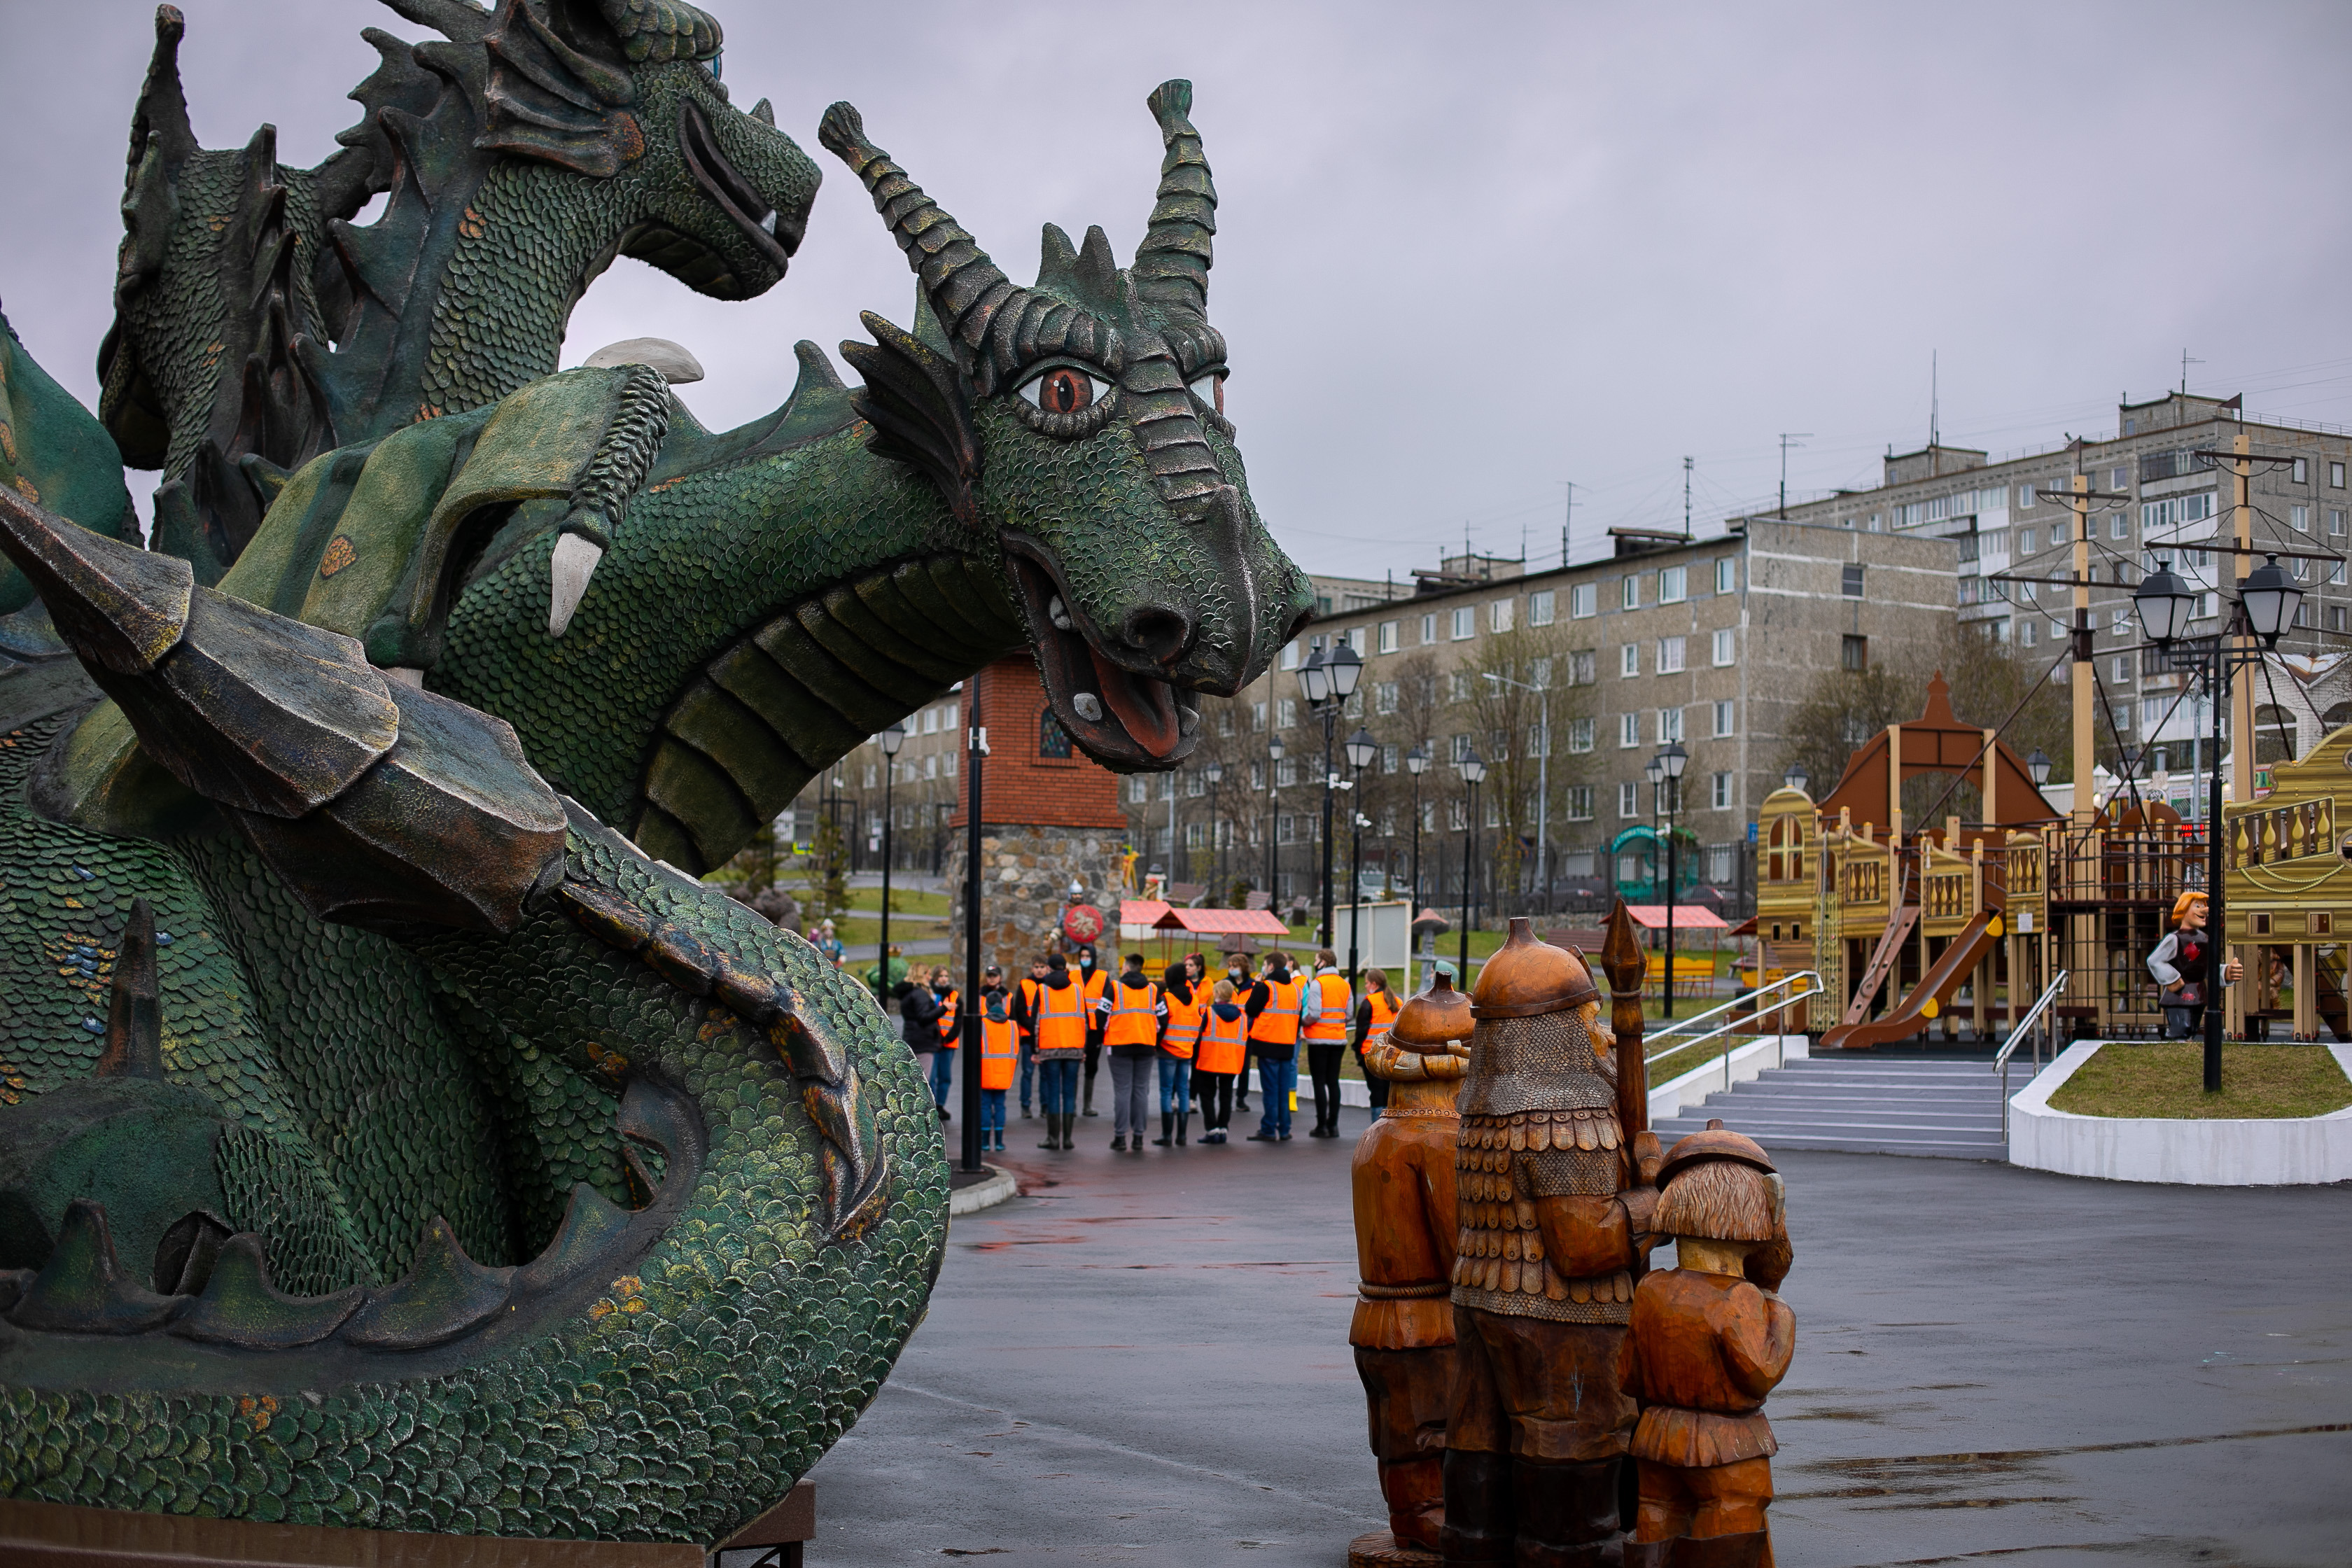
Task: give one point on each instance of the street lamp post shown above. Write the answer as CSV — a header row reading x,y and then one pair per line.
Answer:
x,y
2267,598
1473,768
975,740
1273,868
1362,750
1543,773
889,740
1671,762
1327,680
1417,763
1214,772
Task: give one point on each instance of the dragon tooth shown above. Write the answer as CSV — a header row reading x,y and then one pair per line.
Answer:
x,y
1088,707
769,222
1059,613
574,563
240,1307
444,1293
1187,719
592,1222
82,1289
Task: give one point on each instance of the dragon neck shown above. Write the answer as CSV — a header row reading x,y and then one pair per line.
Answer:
x,y
804,597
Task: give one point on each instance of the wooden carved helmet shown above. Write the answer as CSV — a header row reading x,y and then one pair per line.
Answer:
x,y
1435,1021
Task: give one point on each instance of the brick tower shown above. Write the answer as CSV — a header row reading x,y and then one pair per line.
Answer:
x,y
1049,816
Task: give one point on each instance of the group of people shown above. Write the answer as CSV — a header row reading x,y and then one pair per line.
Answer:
x,y
1192,1032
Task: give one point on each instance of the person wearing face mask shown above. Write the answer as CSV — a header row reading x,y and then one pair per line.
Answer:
x,y
1237,971
951,1026
1132,1015
1223,1054
1023,1006
1000,1046
1091,981
1326,1035
1178,1042
1279,1005
1061,1026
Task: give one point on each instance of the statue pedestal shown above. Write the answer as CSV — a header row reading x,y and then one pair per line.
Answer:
x,y
1381,1550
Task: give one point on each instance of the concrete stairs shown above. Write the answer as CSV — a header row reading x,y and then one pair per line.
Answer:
x,y
1861,1103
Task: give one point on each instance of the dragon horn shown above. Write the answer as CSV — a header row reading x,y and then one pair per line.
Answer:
x,y
1171,265
964,287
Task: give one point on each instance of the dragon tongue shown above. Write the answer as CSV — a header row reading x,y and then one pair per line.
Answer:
x,y
1145,708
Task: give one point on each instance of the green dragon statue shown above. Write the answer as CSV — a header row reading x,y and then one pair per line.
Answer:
x,y
388,1141
259,325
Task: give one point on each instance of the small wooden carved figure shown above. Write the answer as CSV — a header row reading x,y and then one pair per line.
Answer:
x,y
1710,1340
2183,964
1555,1224
1403,1329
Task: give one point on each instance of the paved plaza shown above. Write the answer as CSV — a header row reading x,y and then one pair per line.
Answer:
x,y
1145,1360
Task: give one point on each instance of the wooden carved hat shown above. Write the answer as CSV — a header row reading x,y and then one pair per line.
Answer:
x,y
1434,1021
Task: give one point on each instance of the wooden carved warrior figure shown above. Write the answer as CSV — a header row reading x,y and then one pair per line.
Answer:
x,y
1554,1226
1404,1180
1710,1340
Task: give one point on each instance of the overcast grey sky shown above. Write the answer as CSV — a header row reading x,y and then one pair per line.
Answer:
x,y
1464,253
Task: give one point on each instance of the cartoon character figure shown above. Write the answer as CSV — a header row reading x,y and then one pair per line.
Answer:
x,y
2183,962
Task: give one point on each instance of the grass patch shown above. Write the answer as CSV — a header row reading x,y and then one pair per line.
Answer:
x,y
903,901
2165,1079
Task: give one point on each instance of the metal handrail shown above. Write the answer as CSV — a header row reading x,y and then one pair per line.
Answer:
x,y
1817,989
2016,1035
1695,1019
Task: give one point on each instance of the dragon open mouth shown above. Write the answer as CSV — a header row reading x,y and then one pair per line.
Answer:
x,y
1121,719
775,235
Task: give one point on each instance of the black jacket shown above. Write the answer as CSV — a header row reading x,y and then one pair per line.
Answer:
x,y
918,1017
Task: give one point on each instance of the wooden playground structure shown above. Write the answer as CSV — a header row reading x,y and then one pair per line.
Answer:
x,y
1916,928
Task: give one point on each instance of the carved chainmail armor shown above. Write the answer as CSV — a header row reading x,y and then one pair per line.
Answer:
x,y
1538,1119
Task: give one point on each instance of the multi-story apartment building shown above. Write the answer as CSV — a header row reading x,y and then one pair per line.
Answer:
x,y
2173,501
1707,642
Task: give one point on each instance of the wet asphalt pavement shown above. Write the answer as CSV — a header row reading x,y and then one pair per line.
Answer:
x,y
1145,1360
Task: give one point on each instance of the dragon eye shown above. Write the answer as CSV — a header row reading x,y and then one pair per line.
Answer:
x,y
1062,390
1211,390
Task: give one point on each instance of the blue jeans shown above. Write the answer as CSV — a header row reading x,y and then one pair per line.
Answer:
x,y
1057,1086
942,1076
1277,1078
992,1113
1175,1083
1028,1072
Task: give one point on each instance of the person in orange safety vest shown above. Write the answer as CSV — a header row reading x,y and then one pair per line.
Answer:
x,y
1060,1021
1278,1007
1132,1013
1186,1007
1375,1014
1000,1055
1223,1053
1326,1035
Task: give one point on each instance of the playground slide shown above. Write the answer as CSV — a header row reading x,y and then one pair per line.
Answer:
x,y
1927,999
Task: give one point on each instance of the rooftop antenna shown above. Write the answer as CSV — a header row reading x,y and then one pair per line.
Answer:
x,y
1935,403
1686,478
1787,439
1566,520
2185,363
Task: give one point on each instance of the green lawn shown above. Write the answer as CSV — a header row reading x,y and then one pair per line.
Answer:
x,y
2166,1078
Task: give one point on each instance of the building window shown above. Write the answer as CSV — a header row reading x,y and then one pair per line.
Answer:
x,y
1670,655
1629,659
1674,585
1723,715
1139,790
2299,518
1579,802
1539,743
1580,734
1429,628
1727,646
2303,470
2119,526
1628,593
1391,632
2335,476
1355,638
1458,686
2336,574
1286,772
1628,800
1849,580
1290,654
1581,666
1498,615
1726,570
2122,670
2025,632
1285,713
1539,608
1722,794
1583,600
1670,725
2335,523
2025,498
1391,756
1853,653
1258,717
1384,697
1629,730
2118,479
1466,623
1052,741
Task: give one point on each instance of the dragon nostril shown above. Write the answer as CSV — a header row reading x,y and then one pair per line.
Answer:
x,y
1161,633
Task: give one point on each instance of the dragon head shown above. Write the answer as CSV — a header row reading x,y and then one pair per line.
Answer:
x,y
1080,422
628,91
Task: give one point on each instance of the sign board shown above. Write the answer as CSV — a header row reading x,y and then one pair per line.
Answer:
x,y
1387,941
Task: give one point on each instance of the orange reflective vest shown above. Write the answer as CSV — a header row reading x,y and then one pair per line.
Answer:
x,y
1225,1042
1384,1014
1134,1017
1030,991
1000,1050
1184,1020
1061,1018
948,1004
1330,1028
1277,1022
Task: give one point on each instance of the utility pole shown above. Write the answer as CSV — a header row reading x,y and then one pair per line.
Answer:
x,y
1686,482
1788,439
2078,501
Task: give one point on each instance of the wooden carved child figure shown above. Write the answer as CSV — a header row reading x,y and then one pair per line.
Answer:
x,y
1403,1182
1710,1340
2183,964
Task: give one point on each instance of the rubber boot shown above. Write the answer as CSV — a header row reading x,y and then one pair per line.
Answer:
x,y
1183,1124
1567,1513
1166,1129
1053,1131
1478,1517
1118,1144
1415,1493
1747,1550
1088,1108
1069,1131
